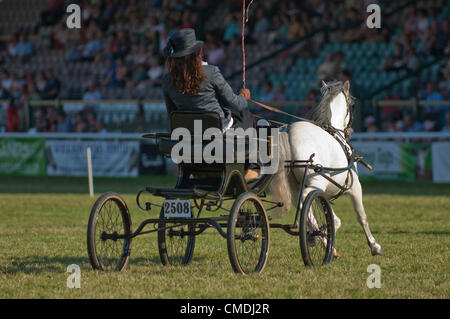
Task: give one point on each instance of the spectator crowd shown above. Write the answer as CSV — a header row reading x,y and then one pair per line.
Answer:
x,y
126,43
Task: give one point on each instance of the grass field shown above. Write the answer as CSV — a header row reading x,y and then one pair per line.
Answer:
x,y
43,230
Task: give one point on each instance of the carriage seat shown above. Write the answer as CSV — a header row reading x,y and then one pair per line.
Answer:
x,y
186,119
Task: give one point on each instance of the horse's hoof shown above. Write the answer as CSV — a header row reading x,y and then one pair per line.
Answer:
x,y
336,255
377,250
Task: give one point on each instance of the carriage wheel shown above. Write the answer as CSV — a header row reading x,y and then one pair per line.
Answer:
x,y
109,216
316,230
174,247
248,234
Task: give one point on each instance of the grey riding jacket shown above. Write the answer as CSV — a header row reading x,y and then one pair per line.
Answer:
x,y
215,96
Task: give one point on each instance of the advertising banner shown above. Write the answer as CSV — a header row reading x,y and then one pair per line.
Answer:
x,y
109,158
440,153
390,160
22,156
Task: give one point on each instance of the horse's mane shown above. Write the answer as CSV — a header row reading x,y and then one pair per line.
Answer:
x,y
322,112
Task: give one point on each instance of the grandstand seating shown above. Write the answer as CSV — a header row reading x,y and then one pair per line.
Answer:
x,y
297,72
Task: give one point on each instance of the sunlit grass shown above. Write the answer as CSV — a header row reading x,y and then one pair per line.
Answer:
x,y
43,230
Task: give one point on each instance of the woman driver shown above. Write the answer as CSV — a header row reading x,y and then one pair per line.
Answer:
x,y
191,84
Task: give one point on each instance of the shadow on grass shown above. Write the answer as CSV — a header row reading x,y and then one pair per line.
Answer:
x,y
39,264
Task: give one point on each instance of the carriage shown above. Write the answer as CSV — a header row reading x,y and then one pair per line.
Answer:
x,y
204,187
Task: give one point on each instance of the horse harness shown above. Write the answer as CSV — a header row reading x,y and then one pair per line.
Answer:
x,y
336,133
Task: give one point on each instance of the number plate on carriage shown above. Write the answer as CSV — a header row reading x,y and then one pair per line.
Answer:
x,y
177,208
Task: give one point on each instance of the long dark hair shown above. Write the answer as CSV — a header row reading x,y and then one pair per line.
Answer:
x,y
186,73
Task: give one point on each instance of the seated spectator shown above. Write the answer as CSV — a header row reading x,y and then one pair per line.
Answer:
x,y
216,54
187,20
111,44
396,61
139,75
392,111
4,94
92,47
6,80
329,69
40,82
370,124
410,28
12,117
280,30
313,95
296,29
81,125
156,25
92,93
93,125
352,26
411,61
143,55
155,72
123,45
32,93
52,120
261,25
232,27
422,24
268,95
41,122
52,86
411,125
431,94
446,127
12,47
279,94
429,126
24,48
121,73
63,123
16,87
76,48
110,76
445,84
399,126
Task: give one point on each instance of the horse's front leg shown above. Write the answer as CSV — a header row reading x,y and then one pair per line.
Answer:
x,y
356,197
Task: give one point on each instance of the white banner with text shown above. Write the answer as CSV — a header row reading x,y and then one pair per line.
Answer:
x,y
109,158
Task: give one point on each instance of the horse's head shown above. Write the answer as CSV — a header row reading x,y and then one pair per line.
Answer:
x,y
335,110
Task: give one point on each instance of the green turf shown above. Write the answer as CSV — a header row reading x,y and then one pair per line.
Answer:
x,y
43,230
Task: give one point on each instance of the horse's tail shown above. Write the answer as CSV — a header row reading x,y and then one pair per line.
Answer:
x,y
280,184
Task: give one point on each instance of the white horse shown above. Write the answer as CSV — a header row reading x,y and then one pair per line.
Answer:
x,y
305,138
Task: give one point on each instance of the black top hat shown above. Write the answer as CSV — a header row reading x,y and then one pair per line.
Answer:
x,y
182,43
